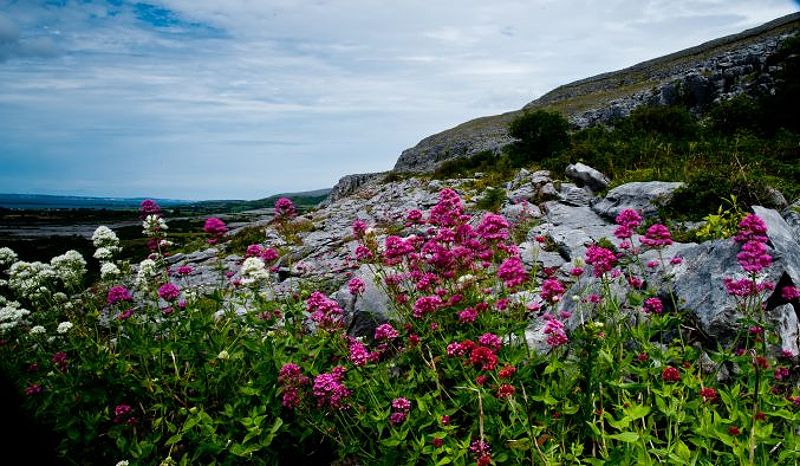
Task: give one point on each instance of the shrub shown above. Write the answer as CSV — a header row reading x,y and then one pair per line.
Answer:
x,y
539,135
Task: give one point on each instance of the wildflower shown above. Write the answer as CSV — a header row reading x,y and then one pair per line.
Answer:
x,y
456,349
358,353
285,209
677,260
734,431
269,255
484,357
169,291
761,362
652,264
642,357
147,270
397,248
670,374
554,328
386,332
629,218
708,394
512,272
356,286
754,258
108,270
69,267
223,355
215,228
33,389
60,359
576,271
105,238
154,225
184,270
64,327
601,259
653,306
414,216
117,294
7,257
493,227
325,312
657,236
413,340
635,282
481,452
121,411
623,232
37,330
437,443
491,340
756,330
122,463
253,270
481,380
752,228
468,315
445,420
426,305
125,315
398,417
552,290
448,211
507,372
505,391
329,390
744,287
401,404
790,293
787,354
781,373
149,207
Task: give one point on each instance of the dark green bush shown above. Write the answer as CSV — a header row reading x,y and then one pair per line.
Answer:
x,y
540,135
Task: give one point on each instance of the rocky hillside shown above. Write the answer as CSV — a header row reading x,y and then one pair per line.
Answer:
x,y
560,215
697,76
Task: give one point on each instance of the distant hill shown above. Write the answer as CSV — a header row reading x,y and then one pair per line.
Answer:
x,y
55,202
718,69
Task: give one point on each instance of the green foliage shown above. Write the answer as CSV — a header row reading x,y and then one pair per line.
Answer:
x,y
721,225
539,134
486,162
492,199
675,123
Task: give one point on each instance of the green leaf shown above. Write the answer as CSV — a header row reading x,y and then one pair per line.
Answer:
x,y
627,437
635,412
174,439
445,460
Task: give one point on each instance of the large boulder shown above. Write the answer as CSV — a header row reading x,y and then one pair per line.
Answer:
x,y
585,175
699,285
792,216
364,312
644,197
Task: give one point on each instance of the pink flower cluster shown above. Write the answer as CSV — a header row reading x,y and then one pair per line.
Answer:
x,y
324,311
329,390
653,306
554,329
448,211
169,291
118,294
356,286
657,236
385,332
601,259
401,407
481,452
754,257
512,272
215,228
552,290
292,382
628,221
752,228
149,207
493,227
285,209
427,305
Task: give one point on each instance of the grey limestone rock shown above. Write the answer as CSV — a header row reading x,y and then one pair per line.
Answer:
x,y
585,175
644,197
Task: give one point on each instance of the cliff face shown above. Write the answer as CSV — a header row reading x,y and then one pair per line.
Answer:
x,y
719,69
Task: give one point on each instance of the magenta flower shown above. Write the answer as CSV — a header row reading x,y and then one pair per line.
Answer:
x,y
359,228
426,305
512,272
554,328
285,209
401,404
254,250
169,291
359,355
552,290
505,391
329,390
493,227
386,332
468,315
413,217
708,394
60,359
149,207
491,340
215,228
484,357
601,259
752,228
324,311
398,417
397,248
657,236
623,232
629,218
117,294
33,389
745,287
356,286
448,211
790,293
653,306
754,257
670,375
184,270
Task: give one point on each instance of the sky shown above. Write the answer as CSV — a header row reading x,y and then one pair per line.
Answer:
x,y
241,99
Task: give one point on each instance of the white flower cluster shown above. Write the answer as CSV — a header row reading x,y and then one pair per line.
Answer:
x,y
253,270
7,257
153,225
70,268
11,315
108,270
31,279
147,270
37,330
104,237
64,327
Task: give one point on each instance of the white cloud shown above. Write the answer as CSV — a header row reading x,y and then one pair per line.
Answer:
x,y
287,95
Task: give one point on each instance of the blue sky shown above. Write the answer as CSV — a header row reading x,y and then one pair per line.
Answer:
x,y
200,99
